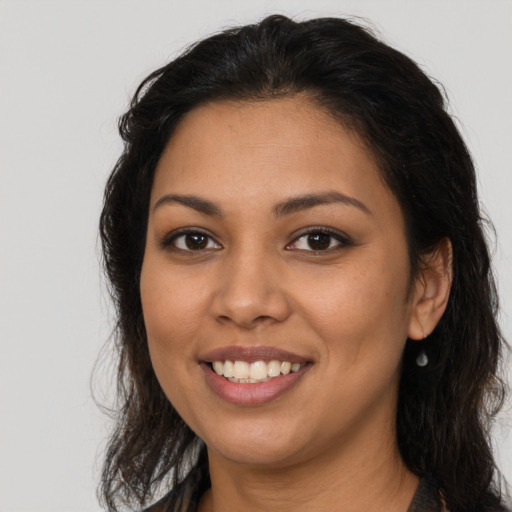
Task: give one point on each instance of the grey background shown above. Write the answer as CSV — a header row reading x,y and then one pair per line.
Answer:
x,y
67,69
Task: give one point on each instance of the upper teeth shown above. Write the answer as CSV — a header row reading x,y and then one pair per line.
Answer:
x,y
259,371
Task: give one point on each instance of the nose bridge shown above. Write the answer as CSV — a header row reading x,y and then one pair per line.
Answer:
x,y
250,289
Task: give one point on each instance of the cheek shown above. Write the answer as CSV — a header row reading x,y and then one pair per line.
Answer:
x,y
361,314
171,321
170,317
172,306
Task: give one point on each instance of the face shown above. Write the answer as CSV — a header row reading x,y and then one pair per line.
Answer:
x,y
272,240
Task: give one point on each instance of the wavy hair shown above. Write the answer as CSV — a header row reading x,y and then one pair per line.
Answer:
x,y
444,409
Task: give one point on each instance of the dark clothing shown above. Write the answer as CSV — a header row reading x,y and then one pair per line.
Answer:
x,y
426,498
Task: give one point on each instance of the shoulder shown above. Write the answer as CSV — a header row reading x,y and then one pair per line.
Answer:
x,y
157,507
170,504
428,498
174,503
185,496
496,505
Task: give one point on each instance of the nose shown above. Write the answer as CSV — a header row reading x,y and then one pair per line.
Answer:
x,y
251,292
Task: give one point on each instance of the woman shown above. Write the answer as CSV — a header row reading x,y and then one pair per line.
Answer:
x,y
306,312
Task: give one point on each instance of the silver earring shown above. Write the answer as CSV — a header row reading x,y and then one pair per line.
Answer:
x,y
422,359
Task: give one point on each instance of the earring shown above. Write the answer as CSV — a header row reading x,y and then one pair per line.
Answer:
x,y
422,359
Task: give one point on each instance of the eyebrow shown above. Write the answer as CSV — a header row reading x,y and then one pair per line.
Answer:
x,y
286,207
194,202
296,204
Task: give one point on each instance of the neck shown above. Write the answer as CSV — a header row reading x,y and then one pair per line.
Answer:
x,y
341,478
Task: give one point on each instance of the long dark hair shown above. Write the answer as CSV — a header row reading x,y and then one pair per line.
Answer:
x,y
444,409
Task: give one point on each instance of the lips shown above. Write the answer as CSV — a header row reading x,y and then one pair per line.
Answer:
x,y
252,375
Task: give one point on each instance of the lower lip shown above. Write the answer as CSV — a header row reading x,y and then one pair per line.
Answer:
x,y
252,394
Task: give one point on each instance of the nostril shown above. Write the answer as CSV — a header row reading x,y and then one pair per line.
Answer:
x,y
222,318
262,317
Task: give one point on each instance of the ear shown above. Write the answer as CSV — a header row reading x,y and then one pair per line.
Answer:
x,y
431,290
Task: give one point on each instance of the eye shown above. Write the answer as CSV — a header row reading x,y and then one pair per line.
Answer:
x,y
319,240
191,241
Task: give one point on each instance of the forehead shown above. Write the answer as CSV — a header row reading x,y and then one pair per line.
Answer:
x,y
268,148
296,121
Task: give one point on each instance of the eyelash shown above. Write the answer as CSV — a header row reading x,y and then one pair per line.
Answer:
x,y
169,242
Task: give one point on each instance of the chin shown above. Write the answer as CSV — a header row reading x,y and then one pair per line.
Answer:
x,y
259,445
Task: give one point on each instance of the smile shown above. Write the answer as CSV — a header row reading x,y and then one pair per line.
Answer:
x,y
243,372
251,376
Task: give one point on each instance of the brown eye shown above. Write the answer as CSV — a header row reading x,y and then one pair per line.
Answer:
x,y
319,241
194,242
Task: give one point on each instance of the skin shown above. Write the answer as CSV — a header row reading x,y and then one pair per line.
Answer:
x,y
349,309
